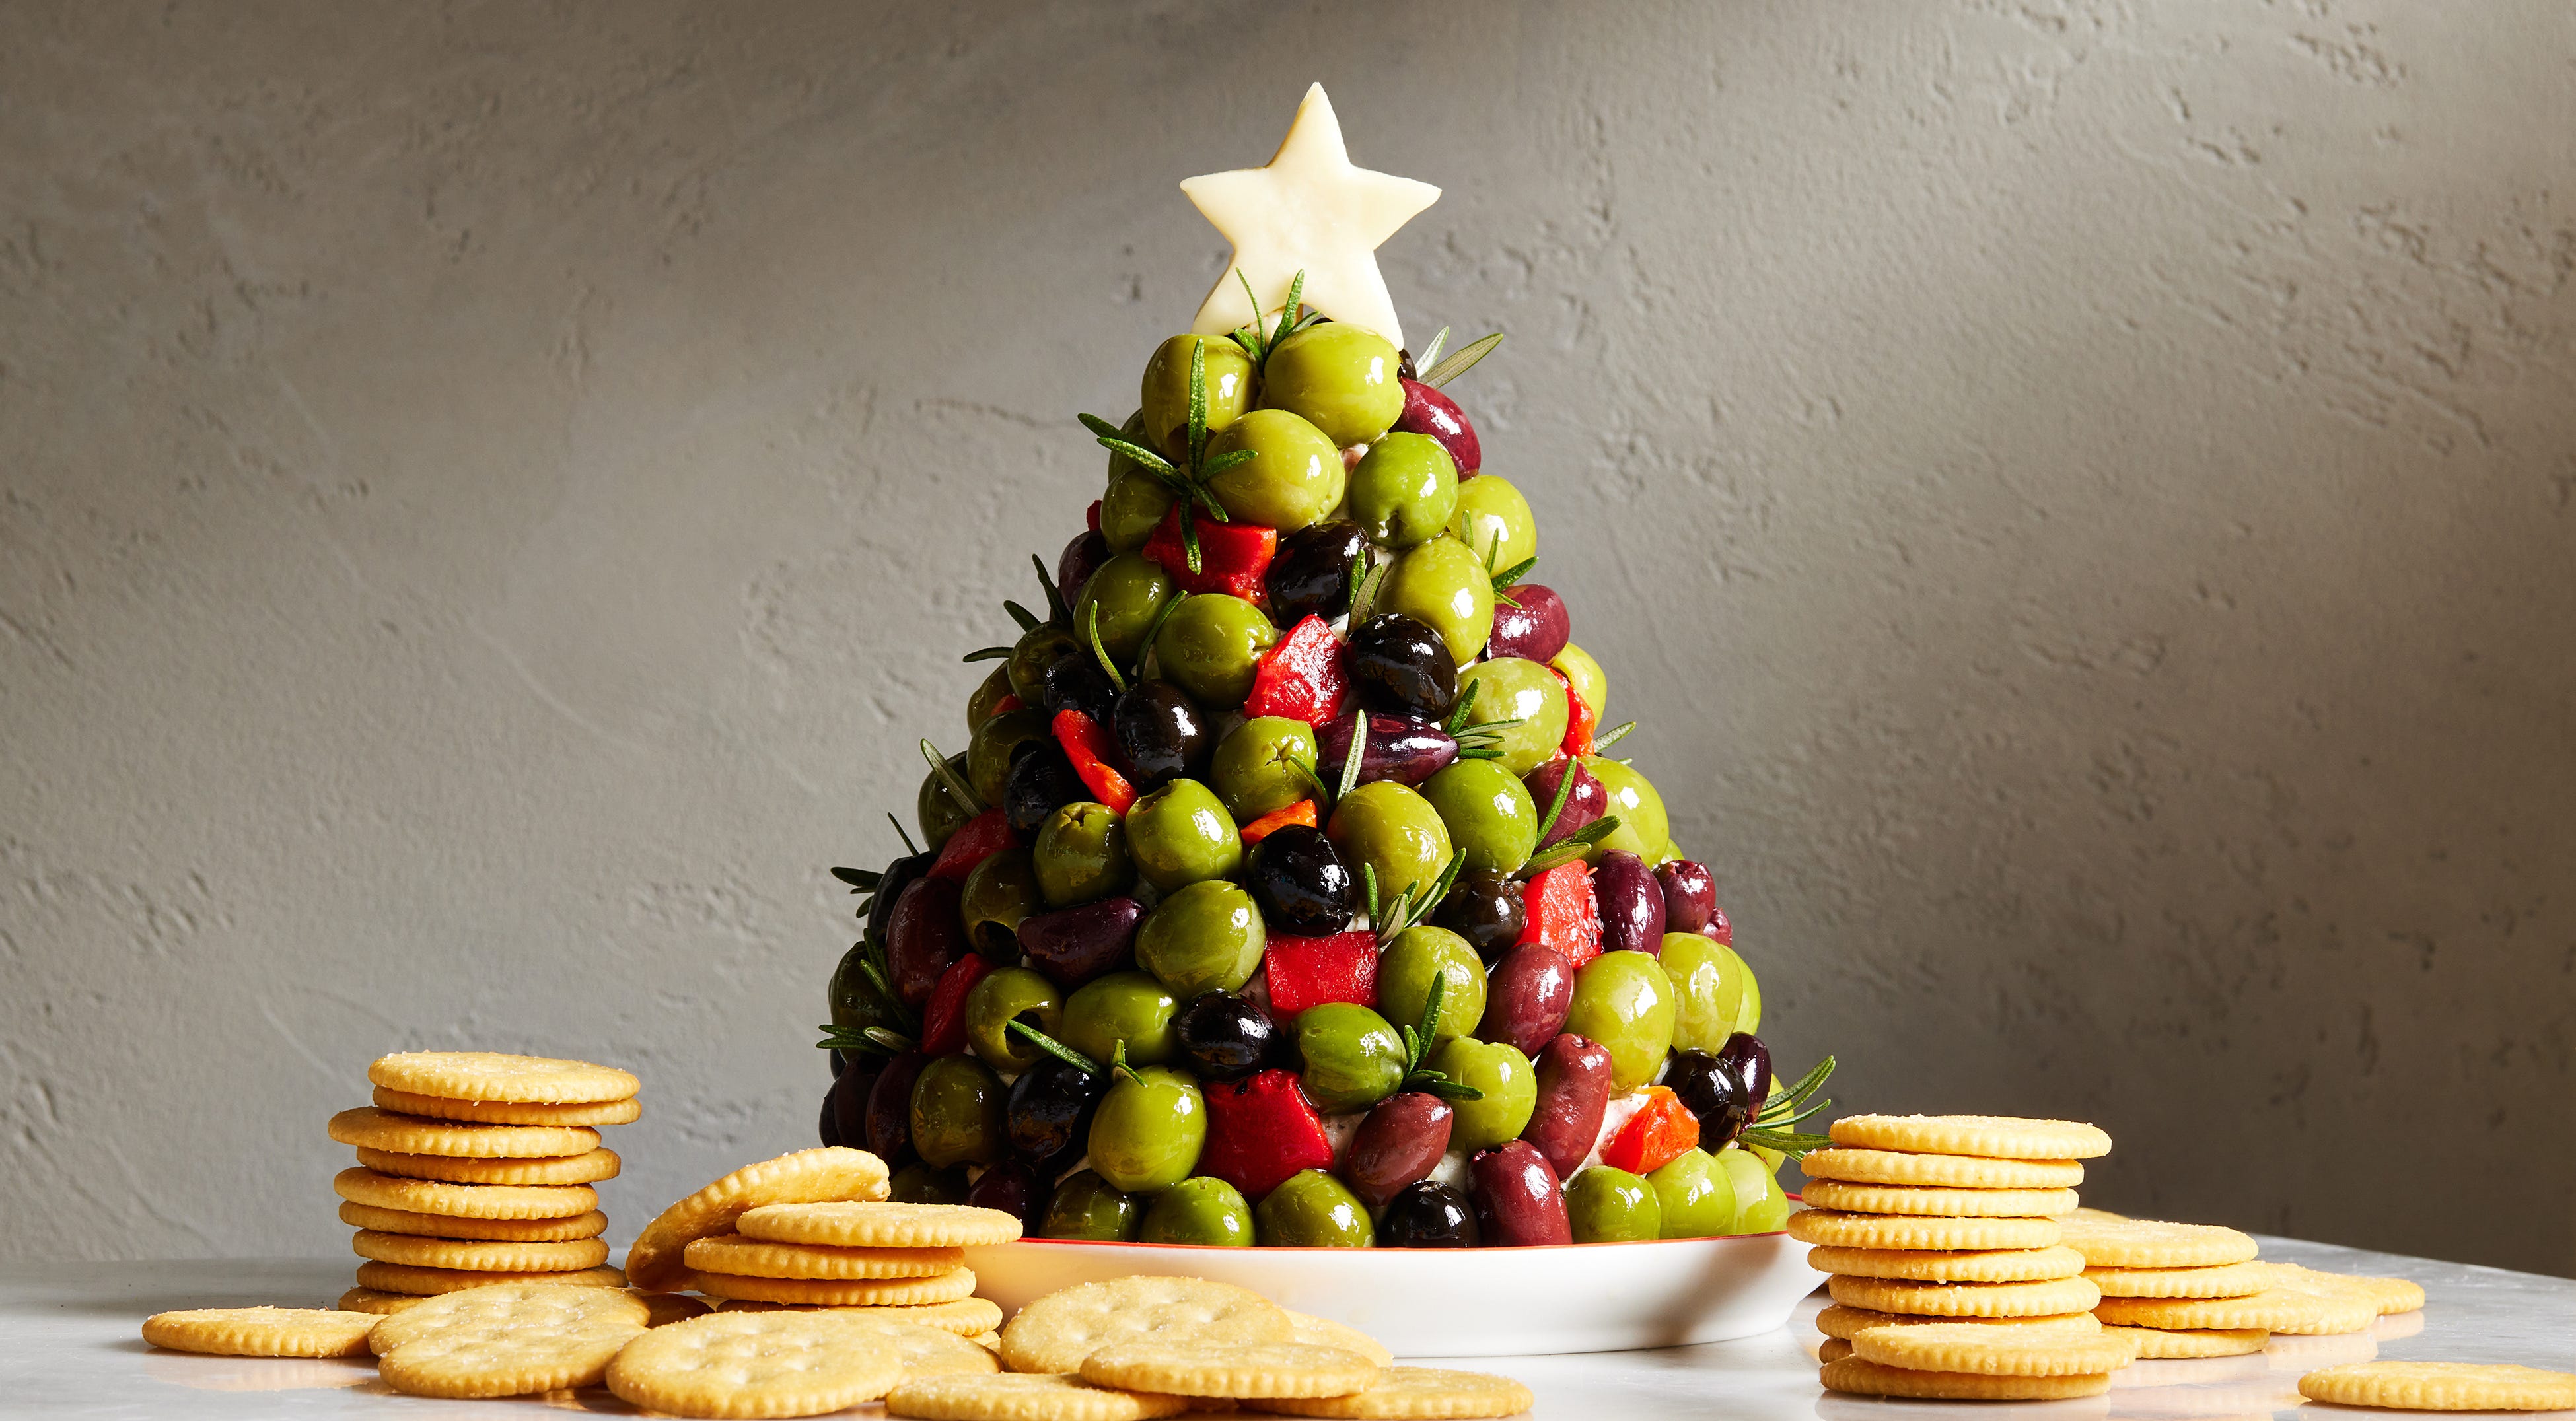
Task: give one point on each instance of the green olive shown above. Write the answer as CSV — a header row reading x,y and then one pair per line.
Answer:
x,y
1693,1196
1128,593
1447,588
919,1183
989,753
1341,378
1510,1088
1405,970
1081,854
1150,1129
1225,372
1605,1205
1643,827
1312,1209
1180,834
936,808
1760,1206
1494,521
1394,831
957,1113
988,694
1211,646
1205,938
1255,770
1586,677
996,897
1131,429
1201,1210
1127,1007
1509,688
1037,649
1011,994
1294,477
856,1003
1132,509
1624,1001
1488,811
1085,1206
1404,490
1714,994
1352,1058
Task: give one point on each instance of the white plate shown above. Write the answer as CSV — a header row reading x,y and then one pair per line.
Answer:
x,y
1475,1302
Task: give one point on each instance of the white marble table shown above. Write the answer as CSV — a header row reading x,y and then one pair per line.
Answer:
x,y
69,1346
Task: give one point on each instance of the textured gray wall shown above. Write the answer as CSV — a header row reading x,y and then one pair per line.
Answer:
x,y
2077,495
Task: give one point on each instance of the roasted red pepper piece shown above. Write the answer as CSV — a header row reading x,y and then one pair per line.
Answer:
x,y
1302,812
1009,702
1088,746
1303,678
1563,913
1581,720
1260,1131
1232,556
943,1017
1310,971
978,839
1655,1136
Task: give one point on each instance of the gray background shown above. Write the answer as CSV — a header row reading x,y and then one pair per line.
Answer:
x,y
2078,497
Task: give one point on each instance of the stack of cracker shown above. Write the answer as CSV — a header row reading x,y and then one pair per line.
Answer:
x,y
474,1168
2196,1290
1949,1276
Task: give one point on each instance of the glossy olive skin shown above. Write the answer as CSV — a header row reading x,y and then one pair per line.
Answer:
x,y
1402,666
1486,909
889,1111
1128,592
1494,521
1745,1054
1624,1001
1123,1006
1081,855
896,877
1207,937
1714,995
1532,625
935,807
1008,994
999,894
1585,802
1225,375
1202,1210
1312,1209
1400,749
1086,1206
1162,732
1224,1037
1428,1215
1080,559
1489,813
1037,649
1294,477
1428,411
1130,511
957,1113
1254,767
1311,574
1760,1205
1643,828
1528,996
1300,883
1631,903
1049,1112
1713,1091
1694,1196
1393,830
856,1003
1404,972
1342,379
1399,1142
1518,1203
1513,689
1212,645
988,693
1586,677
1690,895
1078,683
1132,429
1074,945
1446,588
919,1183
1510,1091
1573,1095
845,1108
1605,1205
924,938
1404,490
1040,782
1149,1130
1180,835
1350,1058
1015,1189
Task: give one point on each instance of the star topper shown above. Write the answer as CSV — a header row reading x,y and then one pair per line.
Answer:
x,y
1310,210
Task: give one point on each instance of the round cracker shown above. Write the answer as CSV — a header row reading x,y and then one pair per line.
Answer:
x,y
1927,1265
1861,1377
1925,1201
832,1173
1839,1321
1993,1136
1406,1392
753,1364
753,1258
1989,1351
2160,1344
494,1075
1832,1349
405,1221
878,1225
2273,1309
2150,1243
381,1304
1835,1229
966,1317
262,1332
509,1112
1324,1332
2048,1299
1025,1397
463,1201
1946,1171
1054,1333
1240,1371
430,1282
589,1167
2225,1280
419,1135
663,1309
945,1287
2441,1386
481,1256
2386,1296
506,1341
933,1351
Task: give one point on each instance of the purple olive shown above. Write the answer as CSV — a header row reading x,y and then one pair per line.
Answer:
x,y
1632,904
1427,411
1527,998
1405,751
924,938
1081,558
1690,896
845,1109
1573,1078
1536,630
1400,1141
1014,1188
828,1130
889,1134
1519,1202
1073,945
1584,803
1745,1055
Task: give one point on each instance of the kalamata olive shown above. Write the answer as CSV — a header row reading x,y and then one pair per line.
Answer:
x,y
1040,781
1080,559
1519,1202
1073,945
898,876
1690,895
1486,910
889,1116
1015,1189
1711,1090
845,1107
828,1130
1527,998
1311,575
1632,904
1400,664
1745,1055
1048,1113
1573,1092
1585,802
1427,1215
1405,751
1162,732
924,938
1223,1037
1400,1141
840,1060
1428,411
1078,683
1300,883
1535,630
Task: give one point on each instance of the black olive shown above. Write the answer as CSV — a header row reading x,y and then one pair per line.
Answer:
x,y
1162,732
1713,1090
1485,909
1040,780
1223,1037
1399,664
1311,576
1048,1114
1078,683
1300,883
1425,1214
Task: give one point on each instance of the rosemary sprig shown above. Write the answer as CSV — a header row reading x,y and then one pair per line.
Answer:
x,y
1505,578
987,653
1091,628
1055,1048
1771,1128
1612,736
1573,846
950,780
1027,619
1431,353
1479,740
1154,629
1057,611
868,1041
1556,806
1462,362
909,847
1417,1047
1351,760
861,880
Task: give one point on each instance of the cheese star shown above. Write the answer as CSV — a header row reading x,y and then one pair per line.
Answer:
x,y
1310,210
